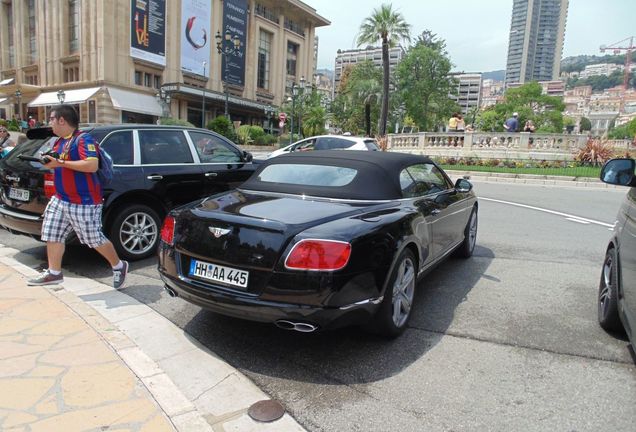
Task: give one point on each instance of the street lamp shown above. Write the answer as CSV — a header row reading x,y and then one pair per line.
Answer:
x,y
203,99
269,111
294,90
61,96
18,95
228,46
301,93
163,97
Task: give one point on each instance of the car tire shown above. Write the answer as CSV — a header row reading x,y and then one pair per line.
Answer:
x,y
608,293
465,250
395,310
135,232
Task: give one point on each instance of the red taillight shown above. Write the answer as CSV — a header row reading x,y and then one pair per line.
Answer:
x,y
167,230
324,255
49,185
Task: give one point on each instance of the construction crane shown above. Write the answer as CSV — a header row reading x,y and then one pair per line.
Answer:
x,y
628,46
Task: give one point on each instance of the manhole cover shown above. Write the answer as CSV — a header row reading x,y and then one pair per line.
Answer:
x,y
266,411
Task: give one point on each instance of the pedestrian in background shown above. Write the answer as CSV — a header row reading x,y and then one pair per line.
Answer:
x,y
6,143
77,203
529,126
512,124
452,123
31,122
461,125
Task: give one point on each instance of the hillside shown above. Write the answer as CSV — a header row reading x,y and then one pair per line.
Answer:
x,y
578,63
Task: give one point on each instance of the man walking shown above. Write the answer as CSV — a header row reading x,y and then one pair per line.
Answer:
x,y
512,124
77,203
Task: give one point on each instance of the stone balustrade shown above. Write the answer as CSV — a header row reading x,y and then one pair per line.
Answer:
x,y
522,145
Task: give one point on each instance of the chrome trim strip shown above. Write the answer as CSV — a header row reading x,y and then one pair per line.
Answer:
x,y
374,301
19,215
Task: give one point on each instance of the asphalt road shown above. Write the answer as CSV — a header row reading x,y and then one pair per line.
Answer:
x,y
507,340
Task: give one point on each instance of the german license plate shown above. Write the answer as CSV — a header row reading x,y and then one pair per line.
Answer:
x,y
19,194
217,273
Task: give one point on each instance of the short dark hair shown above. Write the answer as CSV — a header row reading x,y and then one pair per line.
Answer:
x,y
68,113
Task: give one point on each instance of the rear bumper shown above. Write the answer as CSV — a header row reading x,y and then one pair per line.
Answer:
x,y
21,223
254,309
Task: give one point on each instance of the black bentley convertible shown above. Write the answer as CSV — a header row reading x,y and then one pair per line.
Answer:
x,y
320,240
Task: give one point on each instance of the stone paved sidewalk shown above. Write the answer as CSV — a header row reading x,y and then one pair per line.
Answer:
x,y
58,374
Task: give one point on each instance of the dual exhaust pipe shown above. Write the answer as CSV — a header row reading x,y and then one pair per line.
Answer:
x,y
301,327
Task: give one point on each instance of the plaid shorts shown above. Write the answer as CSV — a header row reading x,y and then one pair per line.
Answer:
x,y
60,217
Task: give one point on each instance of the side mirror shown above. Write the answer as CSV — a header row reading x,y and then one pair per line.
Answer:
x,y
619,172
247,156
463,185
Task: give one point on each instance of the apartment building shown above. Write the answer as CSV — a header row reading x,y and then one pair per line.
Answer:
x,y
468,91
138,60
346,58
537,31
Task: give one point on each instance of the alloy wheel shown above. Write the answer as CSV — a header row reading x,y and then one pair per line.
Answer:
x,y
403,291
138,233
606,289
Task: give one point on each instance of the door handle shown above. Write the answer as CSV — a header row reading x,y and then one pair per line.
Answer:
x,y
435,212
154,177
211,174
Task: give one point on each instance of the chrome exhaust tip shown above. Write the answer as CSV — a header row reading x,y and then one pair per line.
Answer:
x,y
170,291
296,326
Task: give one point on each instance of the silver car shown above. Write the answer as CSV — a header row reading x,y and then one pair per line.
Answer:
x,y
328,142
617,289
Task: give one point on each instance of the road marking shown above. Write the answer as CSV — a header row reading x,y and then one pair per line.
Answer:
x,y
578,221
565,215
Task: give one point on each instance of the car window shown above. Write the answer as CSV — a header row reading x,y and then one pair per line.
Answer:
x,y
212,149
164,147
306,145
119,145
332,143
308,175
422,179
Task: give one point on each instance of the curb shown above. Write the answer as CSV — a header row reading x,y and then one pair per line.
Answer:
x,y
532,179
213,396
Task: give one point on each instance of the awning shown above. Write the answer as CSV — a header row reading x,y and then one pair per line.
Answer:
x,y
7,81
2,100
135,102
70,97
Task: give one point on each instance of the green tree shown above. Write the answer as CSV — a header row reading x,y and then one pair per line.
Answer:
x,y
425,85
529,101
628,130
389,27
315,119
585,124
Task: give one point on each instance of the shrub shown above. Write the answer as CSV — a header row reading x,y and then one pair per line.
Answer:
x,y
222,126
13,126
243,135
596,152
255,132
266,139
3,122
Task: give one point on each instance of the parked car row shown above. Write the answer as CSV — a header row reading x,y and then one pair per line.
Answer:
x,y
157,168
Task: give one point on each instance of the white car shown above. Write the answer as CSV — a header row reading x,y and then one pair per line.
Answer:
x,y
328,142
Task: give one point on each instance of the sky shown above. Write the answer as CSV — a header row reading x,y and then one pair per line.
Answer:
x,y
476,31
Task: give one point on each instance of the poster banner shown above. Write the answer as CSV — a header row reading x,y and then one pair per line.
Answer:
x,y
148,30
196,36
235,20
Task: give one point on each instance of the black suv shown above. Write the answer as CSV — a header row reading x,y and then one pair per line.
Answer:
x,y
156,168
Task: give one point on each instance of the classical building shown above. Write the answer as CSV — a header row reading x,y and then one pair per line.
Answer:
x,y
346,58
138,60
537,30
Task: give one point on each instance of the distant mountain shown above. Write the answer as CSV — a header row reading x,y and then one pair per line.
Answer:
x,y
327,72
497,75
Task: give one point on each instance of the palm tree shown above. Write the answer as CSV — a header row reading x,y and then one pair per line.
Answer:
x,y
368,90
389,26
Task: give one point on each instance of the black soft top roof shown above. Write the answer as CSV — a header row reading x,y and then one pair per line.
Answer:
x,y
377,178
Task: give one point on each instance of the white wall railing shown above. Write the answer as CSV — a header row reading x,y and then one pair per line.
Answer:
x,y
522,145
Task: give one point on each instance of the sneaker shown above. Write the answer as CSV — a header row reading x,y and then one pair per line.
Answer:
x,y
119,276
46,278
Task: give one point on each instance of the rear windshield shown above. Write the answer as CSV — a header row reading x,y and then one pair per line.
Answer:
x,y
371,145
307,175
32,147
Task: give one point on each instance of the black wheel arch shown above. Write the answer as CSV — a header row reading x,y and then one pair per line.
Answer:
x,y
135,197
